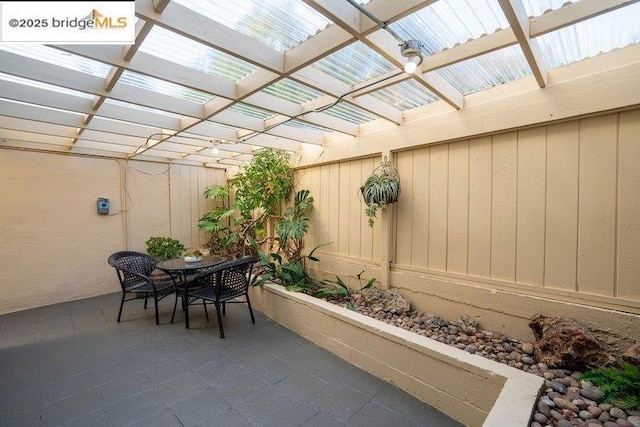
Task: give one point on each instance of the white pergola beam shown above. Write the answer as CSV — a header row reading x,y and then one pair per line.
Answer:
x,y
211,33
519,21
573,13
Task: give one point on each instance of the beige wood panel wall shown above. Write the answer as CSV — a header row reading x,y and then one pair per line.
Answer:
x,y
55,245
187,203
338,215
554,207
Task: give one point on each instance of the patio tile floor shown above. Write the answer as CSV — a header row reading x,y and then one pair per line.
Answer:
x,y
73,364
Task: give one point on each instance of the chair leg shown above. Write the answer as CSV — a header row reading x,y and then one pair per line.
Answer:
x,y
175,304
185,307
206,313
155,300
219,319
121,304
145,300
253,320
224,309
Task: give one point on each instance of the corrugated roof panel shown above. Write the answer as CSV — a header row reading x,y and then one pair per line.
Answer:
x,y
350,113
306,126
156,85
292,91
354,63
446,23
249,110
405,95
540,7
488,70
280,24
58,57
181,50
603,33
46,86
141,108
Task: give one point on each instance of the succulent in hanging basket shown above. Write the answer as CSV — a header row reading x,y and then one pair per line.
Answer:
x,y
380,189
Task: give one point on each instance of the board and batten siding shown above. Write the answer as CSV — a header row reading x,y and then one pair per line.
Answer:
x,y
554,206
338,215
549,209
187,203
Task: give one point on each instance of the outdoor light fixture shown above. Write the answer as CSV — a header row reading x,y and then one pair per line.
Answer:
x,y
411,50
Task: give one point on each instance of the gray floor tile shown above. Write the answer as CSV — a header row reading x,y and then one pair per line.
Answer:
x,y
73,364
341,401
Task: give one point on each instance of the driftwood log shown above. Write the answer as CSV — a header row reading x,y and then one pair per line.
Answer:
x,y
565,343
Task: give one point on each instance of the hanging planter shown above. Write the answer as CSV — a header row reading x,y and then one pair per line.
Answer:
x,y
380,189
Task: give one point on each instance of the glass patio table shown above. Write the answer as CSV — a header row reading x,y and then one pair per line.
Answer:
x,y
182,268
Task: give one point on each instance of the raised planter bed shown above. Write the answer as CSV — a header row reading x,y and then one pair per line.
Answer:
x,y
470,389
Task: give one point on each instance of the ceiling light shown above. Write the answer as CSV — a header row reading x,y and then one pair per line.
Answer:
x,y
411,50
215,149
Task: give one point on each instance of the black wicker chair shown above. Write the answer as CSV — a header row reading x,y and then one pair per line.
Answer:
x,y
220,285
138,276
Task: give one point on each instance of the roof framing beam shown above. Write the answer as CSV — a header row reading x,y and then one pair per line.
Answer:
x,y
517,16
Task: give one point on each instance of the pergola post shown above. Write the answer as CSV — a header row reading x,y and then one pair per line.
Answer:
x,y
386,238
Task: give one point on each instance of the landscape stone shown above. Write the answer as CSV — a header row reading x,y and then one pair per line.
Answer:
x,y
617,413
635,420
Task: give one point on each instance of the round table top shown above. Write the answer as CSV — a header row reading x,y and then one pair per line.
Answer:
x,y
178,264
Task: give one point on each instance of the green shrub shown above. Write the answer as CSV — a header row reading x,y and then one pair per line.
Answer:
x,y
164,248
621,385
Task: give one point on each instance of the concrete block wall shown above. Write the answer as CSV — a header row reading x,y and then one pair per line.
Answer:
x,y
470,389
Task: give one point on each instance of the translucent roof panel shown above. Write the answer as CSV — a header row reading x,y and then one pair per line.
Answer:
x,y
45,86
603,33
488,70
58,57
306,126
354,63
350,113
141,108
292,91
280,24
189,53
405,95
539,7
162,86
449,22
248,110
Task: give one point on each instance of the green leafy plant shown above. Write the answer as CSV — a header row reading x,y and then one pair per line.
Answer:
x,y
192,252
290,273
339,290
294,225
620,385
164,248
260,191
265,183
380,189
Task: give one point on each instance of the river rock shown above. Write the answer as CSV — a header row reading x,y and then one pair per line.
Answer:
x,y
635,420
585,415
558,387
543,408
541,418
623,423
595,411
617,413
565,404
592,393
547,401
564,423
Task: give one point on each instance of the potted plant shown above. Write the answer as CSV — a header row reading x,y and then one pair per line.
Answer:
x,y
192,255
164,248
380,189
